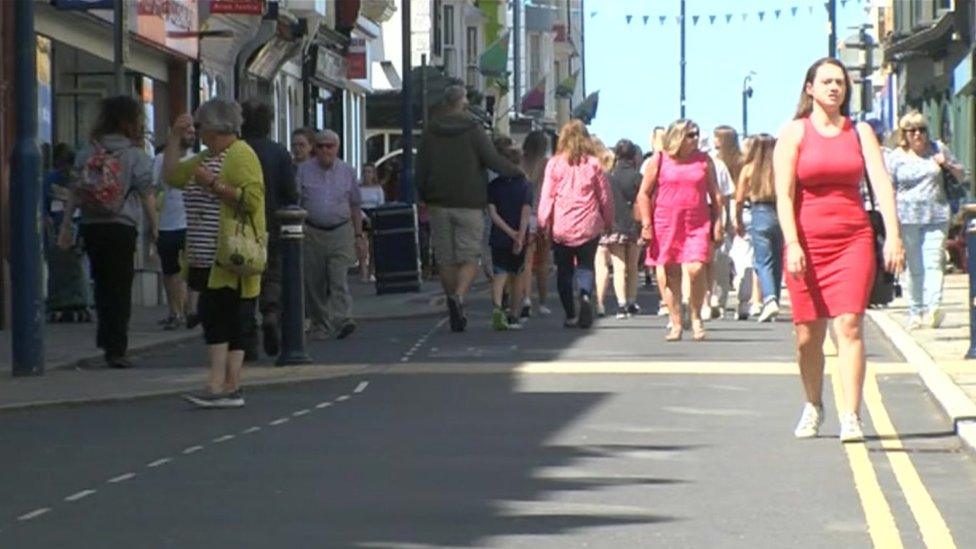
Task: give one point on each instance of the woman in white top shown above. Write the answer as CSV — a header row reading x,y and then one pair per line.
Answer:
x,y
372,195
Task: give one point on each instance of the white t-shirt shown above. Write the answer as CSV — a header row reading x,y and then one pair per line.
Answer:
x,y
172,217
726,187
371,197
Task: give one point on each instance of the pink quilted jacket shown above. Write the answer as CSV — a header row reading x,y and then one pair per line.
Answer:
x,y
576,204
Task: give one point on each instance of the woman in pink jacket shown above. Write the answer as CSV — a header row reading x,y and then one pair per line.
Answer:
x,y
575,208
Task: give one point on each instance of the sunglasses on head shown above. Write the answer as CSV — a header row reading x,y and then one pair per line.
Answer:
x,y
325,145
692,135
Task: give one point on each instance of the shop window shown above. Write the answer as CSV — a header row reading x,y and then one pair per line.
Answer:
x,y
375,148
535,59
438,20
471,56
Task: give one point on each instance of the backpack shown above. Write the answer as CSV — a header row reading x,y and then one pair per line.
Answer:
x,y
100,190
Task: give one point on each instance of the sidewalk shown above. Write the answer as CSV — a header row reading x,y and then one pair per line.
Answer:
x,y
70,347
938,354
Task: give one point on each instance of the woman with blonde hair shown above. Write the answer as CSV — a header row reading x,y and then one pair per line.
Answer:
x,y
819,162
757,187
575,208
678,201
918,167
602,260
538,251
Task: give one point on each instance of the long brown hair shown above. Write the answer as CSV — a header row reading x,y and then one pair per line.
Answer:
x,y
119,115
575,142
534,150
805,106
759,167
729,152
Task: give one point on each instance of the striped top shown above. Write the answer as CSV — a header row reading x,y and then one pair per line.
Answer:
x,y
202,219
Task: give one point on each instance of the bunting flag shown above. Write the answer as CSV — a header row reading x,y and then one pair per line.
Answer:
x,y
760,15
567,86
586,111
535,100
494,60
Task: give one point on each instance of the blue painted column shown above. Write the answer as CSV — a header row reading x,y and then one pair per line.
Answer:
x,y
970,228
27,301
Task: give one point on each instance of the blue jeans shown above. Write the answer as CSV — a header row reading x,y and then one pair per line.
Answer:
x,y
767,245
924,245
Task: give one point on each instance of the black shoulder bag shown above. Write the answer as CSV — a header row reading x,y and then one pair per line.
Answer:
x,y
883,289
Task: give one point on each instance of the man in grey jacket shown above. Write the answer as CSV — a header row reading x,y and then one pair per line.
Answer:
x,y
452,179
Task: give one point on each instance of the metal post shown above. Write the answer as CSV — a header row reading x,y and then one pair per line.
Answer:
x,y
970,227
406,176
27,307
423,89
746,94
831,28
582,37
516,57
292,320
120,47
683,59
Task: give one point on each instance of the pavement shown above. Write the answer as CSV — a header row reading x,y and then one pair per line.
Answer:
x,y
406,435
939,354
73,372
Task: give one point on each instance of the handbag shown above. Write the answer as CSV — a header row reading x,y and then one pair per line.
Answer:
x,y
244,251
954,189
883,287
635,205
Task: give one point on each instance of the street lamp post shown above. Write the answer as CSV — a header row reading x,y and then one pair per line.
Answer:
x,y
746,94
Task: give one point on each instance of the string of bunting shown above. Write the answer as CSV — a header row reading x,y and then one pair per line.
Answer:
x,y
761,15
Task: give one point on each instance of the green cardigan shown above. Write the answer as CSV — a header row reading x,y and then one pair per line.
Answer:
x,y
241,170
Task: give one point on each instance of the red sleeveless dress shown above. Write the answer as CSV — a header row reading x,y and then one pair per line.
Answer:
x,y
833,227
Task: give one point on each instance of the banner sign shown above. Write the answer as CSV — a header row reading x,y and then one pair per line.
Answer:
x,y
356,59
237,7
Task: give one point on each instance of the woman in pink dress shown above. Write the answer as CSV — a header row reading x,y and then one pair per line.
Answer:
x,y
819,162
679,200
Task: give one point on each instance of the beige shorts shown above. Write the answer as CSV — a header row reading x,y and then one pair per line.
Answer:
x,y
456,234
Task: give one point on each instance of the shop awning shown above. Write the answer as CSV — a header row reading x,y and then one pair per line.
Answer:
x,y
927,39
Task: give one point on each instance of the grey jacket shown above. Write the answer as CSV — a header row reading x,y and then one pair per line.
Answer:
x,y
137,173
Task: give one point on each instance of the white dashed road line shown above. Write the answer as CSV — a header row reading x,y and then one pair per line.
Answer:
x,y
79,495
193,449
34,514
121,478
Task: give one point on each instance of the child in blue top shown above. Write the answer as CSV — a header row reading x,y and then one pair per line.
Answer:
x,y
510,208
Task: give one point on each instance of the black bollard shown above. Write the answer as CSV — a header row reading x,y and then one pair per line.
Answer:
x,y
292,287
969,228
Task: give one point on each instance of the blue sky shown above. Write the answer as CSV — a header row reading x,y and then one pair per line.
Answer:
x,y
635,66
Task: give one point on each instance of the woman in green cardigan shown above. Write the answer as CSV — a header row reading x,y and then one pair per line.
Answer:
x,y
218,181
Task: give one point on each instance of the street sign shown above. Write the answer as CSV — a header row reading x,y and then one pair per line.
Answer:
x,y
83,4
237,7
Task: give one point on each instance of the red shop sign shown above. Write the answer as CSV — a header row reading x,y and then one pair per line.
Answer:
x,y
240,7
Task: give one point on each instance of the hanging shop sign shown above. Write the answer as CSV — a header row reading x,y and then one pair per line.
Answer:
x,y
172,24
237,7
356,59
330,67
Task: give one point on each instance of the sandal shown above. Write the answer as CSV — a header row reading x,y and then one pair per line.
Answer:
x,y
674,334
697,330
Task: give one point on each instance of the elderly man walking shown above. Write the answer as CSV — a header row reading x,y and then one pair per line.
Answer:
x,y
333,236
452,179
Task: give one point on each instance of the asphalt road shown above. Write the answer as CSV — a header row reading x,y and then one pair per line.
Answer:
x,y
542,438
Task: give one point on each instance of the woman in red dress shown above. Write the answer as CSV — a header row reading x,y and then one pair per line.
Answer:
x,y
819,163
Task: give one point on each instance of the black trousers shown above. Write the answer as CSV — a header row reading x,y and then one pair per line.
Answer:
x,y
228,318
568,259
111,248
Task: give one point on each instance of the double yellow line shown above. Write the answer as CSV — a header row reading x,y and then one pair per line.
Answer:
x,y
881,522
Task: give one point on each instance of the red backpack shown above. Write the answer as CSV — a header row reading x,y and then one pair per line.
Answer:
x,y
100,191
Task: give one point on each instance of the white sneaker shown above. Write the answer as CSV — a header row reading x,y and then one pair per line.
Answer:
x,y
914,323
850,428
706,312
755,309
810,421
662,310
769,311
935,318
544,311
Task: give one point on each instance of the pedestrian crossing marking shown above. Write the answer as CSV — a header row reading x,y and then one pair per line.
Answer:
x,y
935,531
881,522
